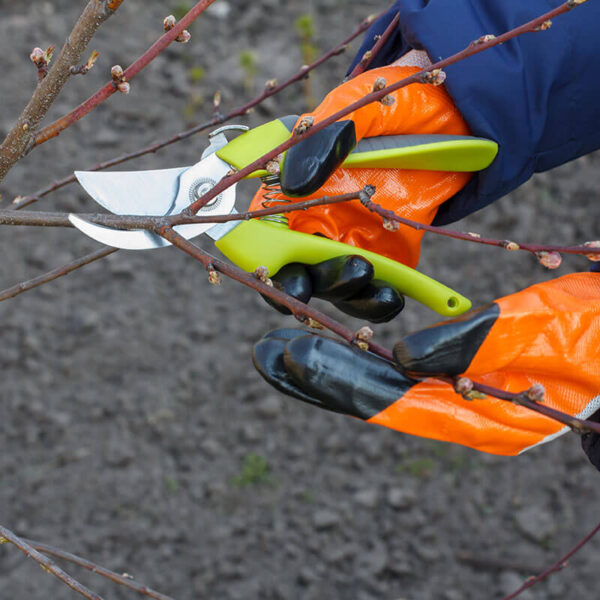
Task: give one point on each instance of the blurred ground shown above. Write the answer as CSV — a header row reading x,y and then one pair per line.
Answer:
x,y
134,430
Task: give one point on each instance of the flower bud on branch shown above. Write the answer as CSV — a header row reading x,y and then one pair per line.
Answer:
x,y
119,81
262,273
41,59
184,37
305,124
362,338
435,77
550,260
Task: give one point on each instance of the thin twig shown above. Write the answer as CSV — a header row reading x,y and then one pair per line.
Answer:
x,y
560,564
521,398
301,311
370,55
7,536
124,580
21,138
475,237
60,219
109,89
19,288
22,202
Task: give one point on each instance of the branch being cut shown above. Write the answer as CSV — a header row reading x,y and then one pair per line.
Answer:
x,y
22,136
218,119
110,88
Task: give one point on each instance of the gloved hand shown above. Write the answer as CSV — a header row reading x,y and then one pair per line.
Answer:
x,y
310,169
548,333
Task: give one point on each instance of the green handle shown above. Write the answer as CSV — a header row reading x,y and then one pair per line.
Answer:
x,y
424,152
258,243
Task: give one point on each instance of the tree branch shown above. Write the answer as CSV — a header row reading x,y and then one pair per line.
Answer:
x,y
123,580
22,202
370,55
390,215
109,89
561,563
7,536
22,136
19,288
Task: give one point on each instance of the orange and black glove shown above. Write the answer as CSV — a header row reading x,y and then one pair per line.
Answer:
x,y
310,170
548,333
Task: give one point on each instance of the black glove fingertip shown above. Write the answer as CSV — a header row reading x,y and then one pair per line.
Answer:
x,y
377,302
294,280
308,164
267,356
447,348
340,277
343,378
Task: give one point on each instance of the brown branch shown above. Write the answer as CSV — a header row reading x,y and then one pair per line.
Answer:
x,y
560,564
479,45
301,311
390,215
21,138
19,288
523,399
123,580
22,202
370,55
306,314
7,536
110,88
60,219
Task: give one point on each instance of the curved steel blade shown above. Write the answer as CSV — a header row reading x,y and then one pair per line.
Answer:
x,y
175,190
133,192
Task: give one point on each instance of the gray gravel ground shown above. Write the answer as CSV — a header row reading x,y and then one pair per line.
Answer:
x,y
134,430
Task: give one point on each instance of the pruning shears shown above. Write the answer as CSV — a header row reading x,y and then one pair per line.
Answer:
x,y
269,242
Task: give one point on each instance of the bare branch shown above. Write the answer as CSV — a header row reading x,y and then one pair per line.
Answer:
x,y
22,136
7,536
560,564
590,248
370,55
110,88
23,201
25,286
124,580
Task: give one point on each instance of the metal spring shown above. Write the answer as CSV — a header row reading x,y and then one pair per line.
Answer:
x,y
273,193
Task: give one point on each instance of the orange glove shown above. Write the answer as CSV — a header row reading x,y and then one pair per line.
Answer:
x,y
548,333
417,109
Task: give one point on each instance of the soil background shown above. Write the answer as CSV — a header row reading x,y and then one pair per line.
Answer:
x,y
133,428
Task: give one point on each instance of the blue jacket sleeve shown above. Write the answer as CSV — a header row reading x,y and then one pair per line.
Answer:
x,y
537,95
